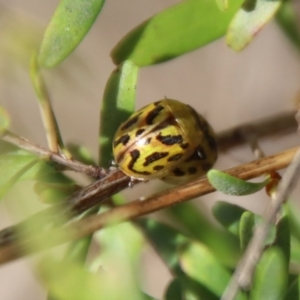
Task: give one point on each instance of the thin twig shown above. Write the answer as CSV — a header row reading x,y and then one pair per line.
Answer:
x,y
46,110
78,229
74,165
244,271
275,125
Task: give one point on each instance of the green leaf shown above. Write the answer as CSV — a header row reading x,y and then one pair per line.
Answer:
x,y
228,215
198,262
283,236
223,244
270,277
4,120
292,292
253,15
172,240
287,19
10,182
6,147
53,192
295,251
174,31
118,261
246,227
48,117
231,185
15,166
185,288
118,104
174,290
68,26
293,215
69,280
19,165
113,273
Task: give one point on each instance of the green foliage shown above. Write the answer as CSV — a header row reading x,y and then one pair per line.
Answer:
x,y
231,185
175,31
270,278
118,101
251,17
201,256
287,19
68,26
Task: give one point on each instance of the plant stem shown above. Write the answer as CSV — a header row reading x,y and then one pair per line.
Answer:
x,y
71,164
11,250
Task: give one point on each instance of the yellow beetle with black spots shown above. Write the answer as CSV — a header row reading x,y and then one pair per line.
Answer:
x,y
166,139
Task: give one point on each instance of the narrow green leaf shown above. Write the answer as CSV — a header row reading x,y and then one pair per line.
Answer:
x,y
270,278
174,290
6,147
292,292
287,19
185,288
168,250
295,251
10,182
53,192
228,215
176,30
78,250
48,117
231,185
69,280
4,120
293,215
19,165
68,26
223,244
198,262
117,105
246,229
283,236
172,240
113,273
117,264
249,20
11,163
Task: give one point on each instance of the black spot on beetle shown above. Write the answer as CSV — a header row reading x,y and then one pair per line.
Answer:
x,y
184,145
206,166
154,157
139,131
124,139
158,168
175,157
135,154
178,172
211,142
192,170
131,122
169,139
153,114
